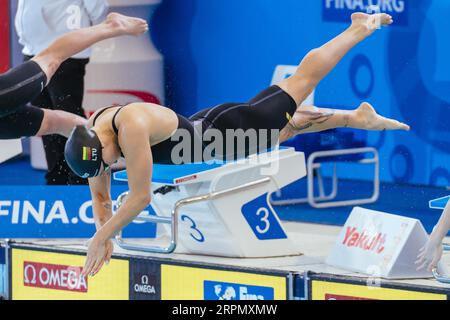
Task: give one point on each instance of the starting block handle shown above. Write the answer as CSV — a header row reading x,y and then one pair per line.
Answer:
x,y
440,278
173,220
153,219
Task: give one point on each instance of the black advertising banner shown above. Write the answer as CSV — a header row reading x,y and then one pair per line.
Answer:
x,y
145,280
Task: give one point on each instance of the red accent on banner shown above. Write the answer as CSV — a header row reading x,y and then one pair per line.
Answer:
x,y
4,36
186,179
329,296
142,95
56,277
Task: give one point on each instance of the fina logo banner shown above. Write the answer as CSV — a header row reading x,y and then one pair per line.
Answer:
x,y
340,10
55,213
232,291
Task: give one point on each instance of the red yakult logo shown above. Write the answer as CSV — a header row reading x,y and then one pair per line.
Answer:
x,y
364,240
56,277
190,178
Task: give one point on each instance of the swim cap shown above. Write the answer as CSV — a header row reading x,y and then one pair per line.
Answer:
x,y
83,152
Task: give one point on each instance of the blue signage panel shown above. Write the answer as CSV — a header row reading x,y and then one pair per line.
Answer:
x,y
234,291
340,10
55,213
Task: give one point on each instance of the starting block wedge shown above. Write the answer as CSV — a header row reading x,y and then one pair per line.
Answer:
x,y
222,209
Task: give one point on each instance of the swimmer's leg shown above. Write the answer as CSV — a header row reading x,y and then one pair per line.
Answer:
x,y
76,41
29,121
312,119
59,122
319,62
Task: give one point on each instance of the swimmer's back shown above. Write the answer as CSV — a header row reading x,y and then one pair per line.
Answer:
x,y
162,122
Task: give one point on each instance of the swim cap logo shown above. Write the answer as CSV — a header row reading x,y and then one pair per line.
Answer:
x,y
288,117
89,154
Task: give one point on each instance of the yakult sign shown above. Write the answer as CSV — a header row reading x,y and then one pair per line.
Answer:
x,y
365,241
379,244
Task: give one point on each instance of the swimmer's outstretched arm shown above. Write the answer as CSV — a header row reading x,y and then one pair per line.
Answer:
x,y
102,206
136,148
312,119
431,253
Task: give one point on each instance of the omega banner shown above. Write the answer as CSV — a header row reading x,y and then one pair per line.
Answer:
x,y
40,275
53,275
380,245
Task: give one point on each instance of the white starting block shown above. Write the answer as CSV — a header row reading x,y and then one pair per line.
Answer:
x,y
9,149
222,210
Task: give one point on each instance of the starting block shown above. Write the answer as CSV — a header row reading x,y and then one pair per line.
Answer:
x,y
221,209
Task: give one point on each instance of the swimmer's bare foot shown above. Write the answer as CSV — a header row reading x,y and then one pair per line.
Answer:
x,y
367,24
365,117
309,119
127,25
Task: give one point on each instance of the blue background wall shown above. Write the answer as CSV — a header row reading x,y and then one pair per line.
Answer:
x,y
226,50
220,51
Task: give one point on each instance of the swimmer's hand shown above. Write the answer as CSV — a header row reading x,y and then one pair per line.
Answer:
x,y
429,255
98,254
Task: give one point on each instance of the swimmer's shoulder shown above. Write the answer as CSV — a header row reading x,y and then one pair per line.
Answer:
x,y
134,114
151,109
149,113
146,105
93,117
100,112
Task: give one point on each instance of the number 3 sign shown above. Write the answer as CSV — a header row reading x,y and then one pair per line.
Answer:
x,y
262,220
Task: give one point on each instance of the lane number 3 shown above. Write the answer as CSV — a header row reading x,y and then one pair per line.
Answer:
x,y
196,234
264,212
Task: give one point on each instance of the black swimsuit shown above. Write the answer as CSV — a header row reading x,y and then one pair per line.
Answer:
x,y
18,87
269,110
